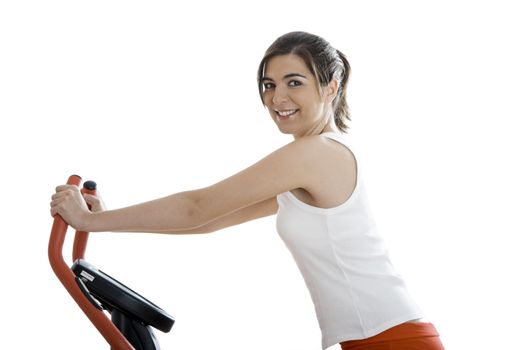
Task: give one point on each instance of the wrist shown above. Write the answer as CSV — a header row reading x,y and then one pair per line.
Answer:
x,y
87,223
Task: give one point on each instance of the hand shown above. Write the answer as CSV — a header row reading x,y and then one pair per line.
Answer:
x,y
69,203
95,203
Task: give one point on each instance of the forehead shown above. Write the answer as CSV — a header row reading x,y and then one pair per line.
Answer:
x,y
279,66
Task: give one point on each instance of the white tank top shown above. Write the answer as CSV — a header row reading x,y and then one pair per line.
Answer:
x,y
344,262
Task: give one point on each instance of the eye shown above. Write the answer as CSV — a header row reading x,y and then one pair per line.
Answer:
x,y
294,83
268,86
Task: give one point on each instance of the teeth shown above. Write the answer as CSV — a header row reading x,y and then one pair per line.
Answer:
x,y
286,113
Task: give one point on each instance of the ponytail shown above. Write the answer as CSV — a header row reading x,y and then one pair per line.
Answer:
x,y
341,108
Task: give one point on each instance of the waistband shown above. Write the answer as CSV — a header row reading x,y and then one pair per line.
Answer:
x,y
403,331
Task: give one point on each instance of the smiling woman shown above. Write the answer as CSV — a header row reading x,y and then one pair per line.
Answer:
x,y
314,187
305,59
293,98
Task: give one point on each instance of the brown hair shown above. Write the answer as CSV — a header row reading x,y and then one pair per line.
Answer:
x,y
323,61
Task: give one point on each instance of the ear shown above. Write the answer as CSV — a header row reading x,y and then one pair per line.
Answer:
x,y
330,90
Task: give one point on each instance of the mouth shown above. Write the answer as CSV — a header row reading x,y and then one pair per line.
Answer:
x,y
285,114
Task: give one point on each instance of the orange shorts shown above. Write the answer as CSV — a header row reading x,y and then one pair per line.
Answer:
x,y
406,336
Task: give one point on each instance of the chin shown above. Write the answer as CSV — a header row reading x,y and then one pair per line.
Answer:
x,y
284,130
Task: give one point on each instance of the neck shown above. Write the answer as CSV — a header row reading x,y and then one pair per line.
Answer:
x,y
318,129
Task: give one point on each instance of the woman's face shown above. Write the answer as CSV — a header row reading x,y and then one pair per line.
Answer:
x,y
291,95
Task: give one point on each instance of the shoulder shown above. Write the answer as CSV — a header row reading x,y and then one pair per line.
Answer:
x,y
310,157
327,170
318,149
307,146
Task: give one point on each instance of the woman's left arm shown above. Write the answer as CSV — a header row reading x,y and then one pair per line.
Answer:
x,y
290,167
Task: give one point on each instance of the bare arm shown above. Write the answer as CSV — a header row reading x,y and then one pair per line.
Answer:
x,y
292,166
256,211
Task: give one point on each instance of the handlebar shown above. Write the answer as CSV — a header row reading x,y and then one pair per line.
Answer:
x,y
67,277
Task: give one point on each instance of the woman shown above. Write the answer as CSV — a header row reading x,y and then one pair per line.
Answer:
x,y
314,187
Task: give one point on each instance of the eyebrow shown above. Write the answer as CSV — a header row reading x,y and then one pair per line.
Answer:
x,y
290,75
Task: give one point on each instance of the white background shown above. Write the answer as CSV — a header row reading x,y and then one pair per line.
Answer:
x,y
155,97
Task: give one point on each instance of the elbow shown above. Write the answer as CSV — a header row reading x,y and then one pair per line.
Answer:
x,y
196,209
201,212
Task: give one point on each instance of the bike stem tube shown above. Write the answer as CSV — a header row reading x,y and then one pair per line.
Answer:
x,y
67,278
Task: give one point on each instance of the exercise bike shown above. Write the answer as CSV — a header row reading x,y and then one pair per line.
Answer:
x,y
132,316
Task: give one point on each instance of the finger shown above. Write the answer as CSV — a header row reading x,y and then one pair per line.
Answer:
x,y
61,195
95,202
60,188
65,187
90,199
54,210
65,192
56,201
57,195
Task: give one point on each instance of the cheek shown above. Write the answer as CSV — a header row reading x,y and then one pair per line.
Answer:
x,y
268,105
267,99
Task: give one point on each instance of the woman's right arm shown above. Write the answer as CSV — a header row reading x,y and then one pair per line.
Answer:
x,y
300,164
258,210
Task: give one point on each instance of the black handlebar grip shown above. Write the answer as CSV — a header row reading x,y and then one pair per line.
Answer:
x,y
90,185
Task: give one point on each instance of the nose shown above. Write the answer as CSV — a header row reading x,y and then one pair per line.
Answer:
x,y
280,95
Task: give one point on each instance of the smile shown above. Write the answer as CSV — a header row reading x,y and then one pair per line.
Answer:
x,y
287,113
